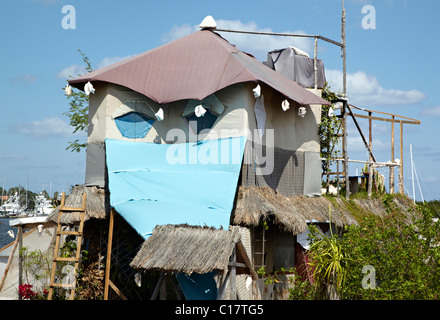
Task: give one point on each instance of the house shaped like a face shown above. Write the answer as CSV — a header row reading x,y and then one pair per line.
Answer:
x,y
177,128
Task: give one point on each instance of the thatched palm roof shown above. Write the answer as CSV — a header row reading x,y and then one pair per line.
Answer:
x,y
187,249
291,214
95,205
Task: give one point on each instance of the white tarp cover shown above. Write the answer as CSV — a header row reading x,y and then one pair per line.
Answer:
x,y
304,240
260,115
154,184
296,67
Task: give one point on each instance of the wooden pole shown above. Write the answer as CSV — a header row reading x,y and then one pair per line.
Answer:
x,y
119,293
370,151
8,265
377,164
157,288
370,145
223,286
20,258
283,35
415,122
401,186
263,242
233,275
344,151
57,245
327,185
109,254
242,252
163,289
392,158
344,53
337,178
315,62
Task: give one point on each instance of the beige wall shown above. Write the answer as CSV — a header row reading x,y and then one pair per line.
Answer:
x,y
108,98
291,132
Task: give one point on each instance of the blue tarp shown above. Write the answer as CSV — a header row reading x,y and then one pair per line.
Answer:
x,y
198,286
154,184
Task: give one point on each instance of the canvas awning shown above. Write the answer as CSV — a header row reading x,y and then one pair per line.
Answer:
x,y
195,254
188,249
184,183
194,67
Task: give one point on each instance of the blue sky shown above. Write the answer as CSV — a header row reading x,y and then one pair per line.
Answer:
x,y
391,68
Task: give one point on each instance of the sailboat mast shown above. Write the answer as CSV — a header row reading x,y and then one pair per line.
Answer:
x,y
27,187
3,190
418,183
414,172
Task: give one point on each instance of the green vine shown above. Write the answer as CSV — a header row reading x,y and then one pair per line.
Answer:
x,y
328,130
299,288
36,263
78,110
67,250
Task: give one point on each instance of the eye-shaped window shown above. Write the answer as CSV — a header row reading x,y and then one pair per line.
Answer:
x,y
133,125
212,108
200,123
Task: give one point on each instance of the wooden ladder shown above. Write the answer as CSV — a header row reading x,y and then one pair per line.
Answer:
x,y
76,259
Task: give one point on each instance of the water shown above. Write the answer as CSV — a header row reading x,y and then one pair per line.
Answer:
x,y
5,239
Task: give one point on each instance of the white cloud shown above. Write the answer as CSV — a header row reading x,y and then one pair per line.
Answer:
x,y
257,45
359,1
356,144
45,2
71,72
111,60
177,32
431,179
431,112
48,127
12,156
24,79
364,90
75,70
379,128
253,44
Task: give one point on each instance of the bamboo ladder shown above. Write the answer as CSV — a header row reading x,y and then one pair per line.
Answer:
x,y
76,259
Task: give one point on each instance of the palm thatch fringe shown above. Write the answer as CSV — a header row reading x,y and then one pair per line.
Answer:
x,y
186,249
291,214
95,205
